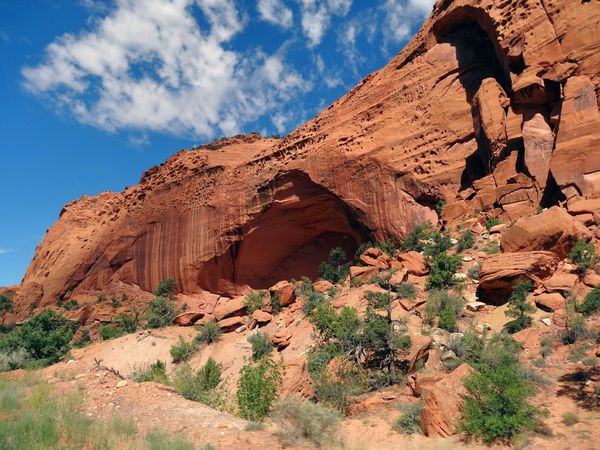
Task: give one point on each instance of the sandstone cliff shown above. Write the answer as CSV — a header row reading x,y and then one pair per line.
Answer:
x,y
493,106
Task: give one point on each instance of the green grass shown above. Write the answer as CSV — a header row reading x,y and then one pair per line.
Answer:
x,y
33,416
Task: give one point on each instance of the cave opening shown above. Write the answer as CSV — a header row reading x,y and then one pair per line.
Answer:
x,y
299,223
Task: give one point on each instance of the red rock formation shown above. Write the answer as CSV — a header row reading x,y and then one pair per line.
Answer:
x,y
429,126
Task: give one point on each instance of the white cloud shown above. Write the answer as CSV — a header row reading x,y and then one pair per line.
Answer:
x,y
401,15
4,251
425,6
148,66
275,12
316,17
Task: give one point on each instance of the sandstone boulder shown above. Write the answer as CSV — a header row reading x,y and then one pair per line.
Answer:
x,y
231,323
286,292
363,273
561,281
188,318
553,230
414,263
422,383
418,350
490,124
550,302
227,307
529,338
500,272
375,257
261,317
441,414
323,286
539,144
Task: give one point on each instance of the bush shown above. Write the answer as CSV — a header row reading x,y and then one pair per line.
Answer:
x,y
446,306
336,268
15,359
474,271
496,406
200,386
335,387
258,388
492,222
261,345
157,440
182,351
575,328
417,238
591,303
410,420
83,340
491,248
254,301
45,337
570,418
583,254
319,357
107,332
518,307
300,419
160,312
166,288
406,290
6,304
122,323
438,243
386,247
156,372
465,241
442,270
306,291
209,333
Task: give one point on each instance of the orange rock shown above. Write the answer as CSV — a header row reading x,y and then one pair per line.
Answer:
x,y
529,337
418,350
421,384
591,278
231,323
539,144
550,302
553,230
286,292
580,205
561,281
227,307
363,273
188,318
323,286
441,414
261,316
414,263
375,258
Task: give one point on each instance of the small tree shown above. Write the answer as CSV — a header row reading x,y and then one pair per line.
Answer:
x,y
442,270
591,303
182,351
6,304
518,307
166,288
446,306
160,312
465,241
261,345
209,333
336,268
583,254
258,388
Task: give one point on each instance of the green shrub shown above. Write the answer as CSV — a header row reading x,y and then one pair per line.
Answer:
x,y
518,307
121,324
115,302
446,307
406,290
387,247
158,440
254,301
583,254
474,271
166,288
465,241
300,419
410,420
442,270
417,238
83,339
209,333
319,357
336,389
591,303
109,331
261,345
6,304
258,388
545,346
182,351
491,248
160,312
336,268
276,303
496,407
492,222
156,372
45,337
439,243
14,359
201,386
570,418
575,328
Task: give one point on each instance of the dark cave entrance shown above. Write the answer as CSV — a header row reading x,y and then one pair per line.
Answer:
x,y
301,221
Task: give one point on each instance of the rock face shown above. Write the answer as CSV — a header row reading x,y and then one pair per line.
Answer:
x,y
447,119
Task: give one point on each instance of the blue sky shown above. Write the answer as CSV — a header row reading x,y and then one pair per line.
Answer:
x,y
93,93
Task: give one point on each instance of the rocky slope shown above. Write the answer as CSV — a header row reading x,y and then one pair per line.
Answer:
x,y
492,107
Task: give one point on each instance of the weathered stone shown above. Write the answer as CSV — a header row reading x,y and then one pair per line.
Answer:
x,y
227,307
550,302
539,143
414,263
188,318
286,292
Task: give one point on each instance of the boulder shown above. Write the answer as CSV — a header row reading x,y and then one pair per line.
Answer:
x,y
490,123
539,144
375,258
580,205
286,292
188,318
418,350
529,338
499,273
553,230
422,383
550,302
414,263
281,339
322,286
261,317
591,278
475,306
227,307
441,414
231,323
561,281
363,273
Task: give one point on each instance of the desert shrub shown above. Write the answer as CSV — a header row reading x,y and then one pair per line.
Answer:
x,y
83,339
416,239
406,290
491,247
570,418
313,299
109,331
319,357
14,359
446,307
518,307
201,385
261,345
122,323
166,288
474,271
45,337
336,268
496,407
492,222
410,420
591,302
276,303
182,351
156,372
300,419
71,305
442,270
258,388
583,254
575,328
6,304
115,302
158,440
465,241
254,301
160,312
438,243
545,346
209,333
